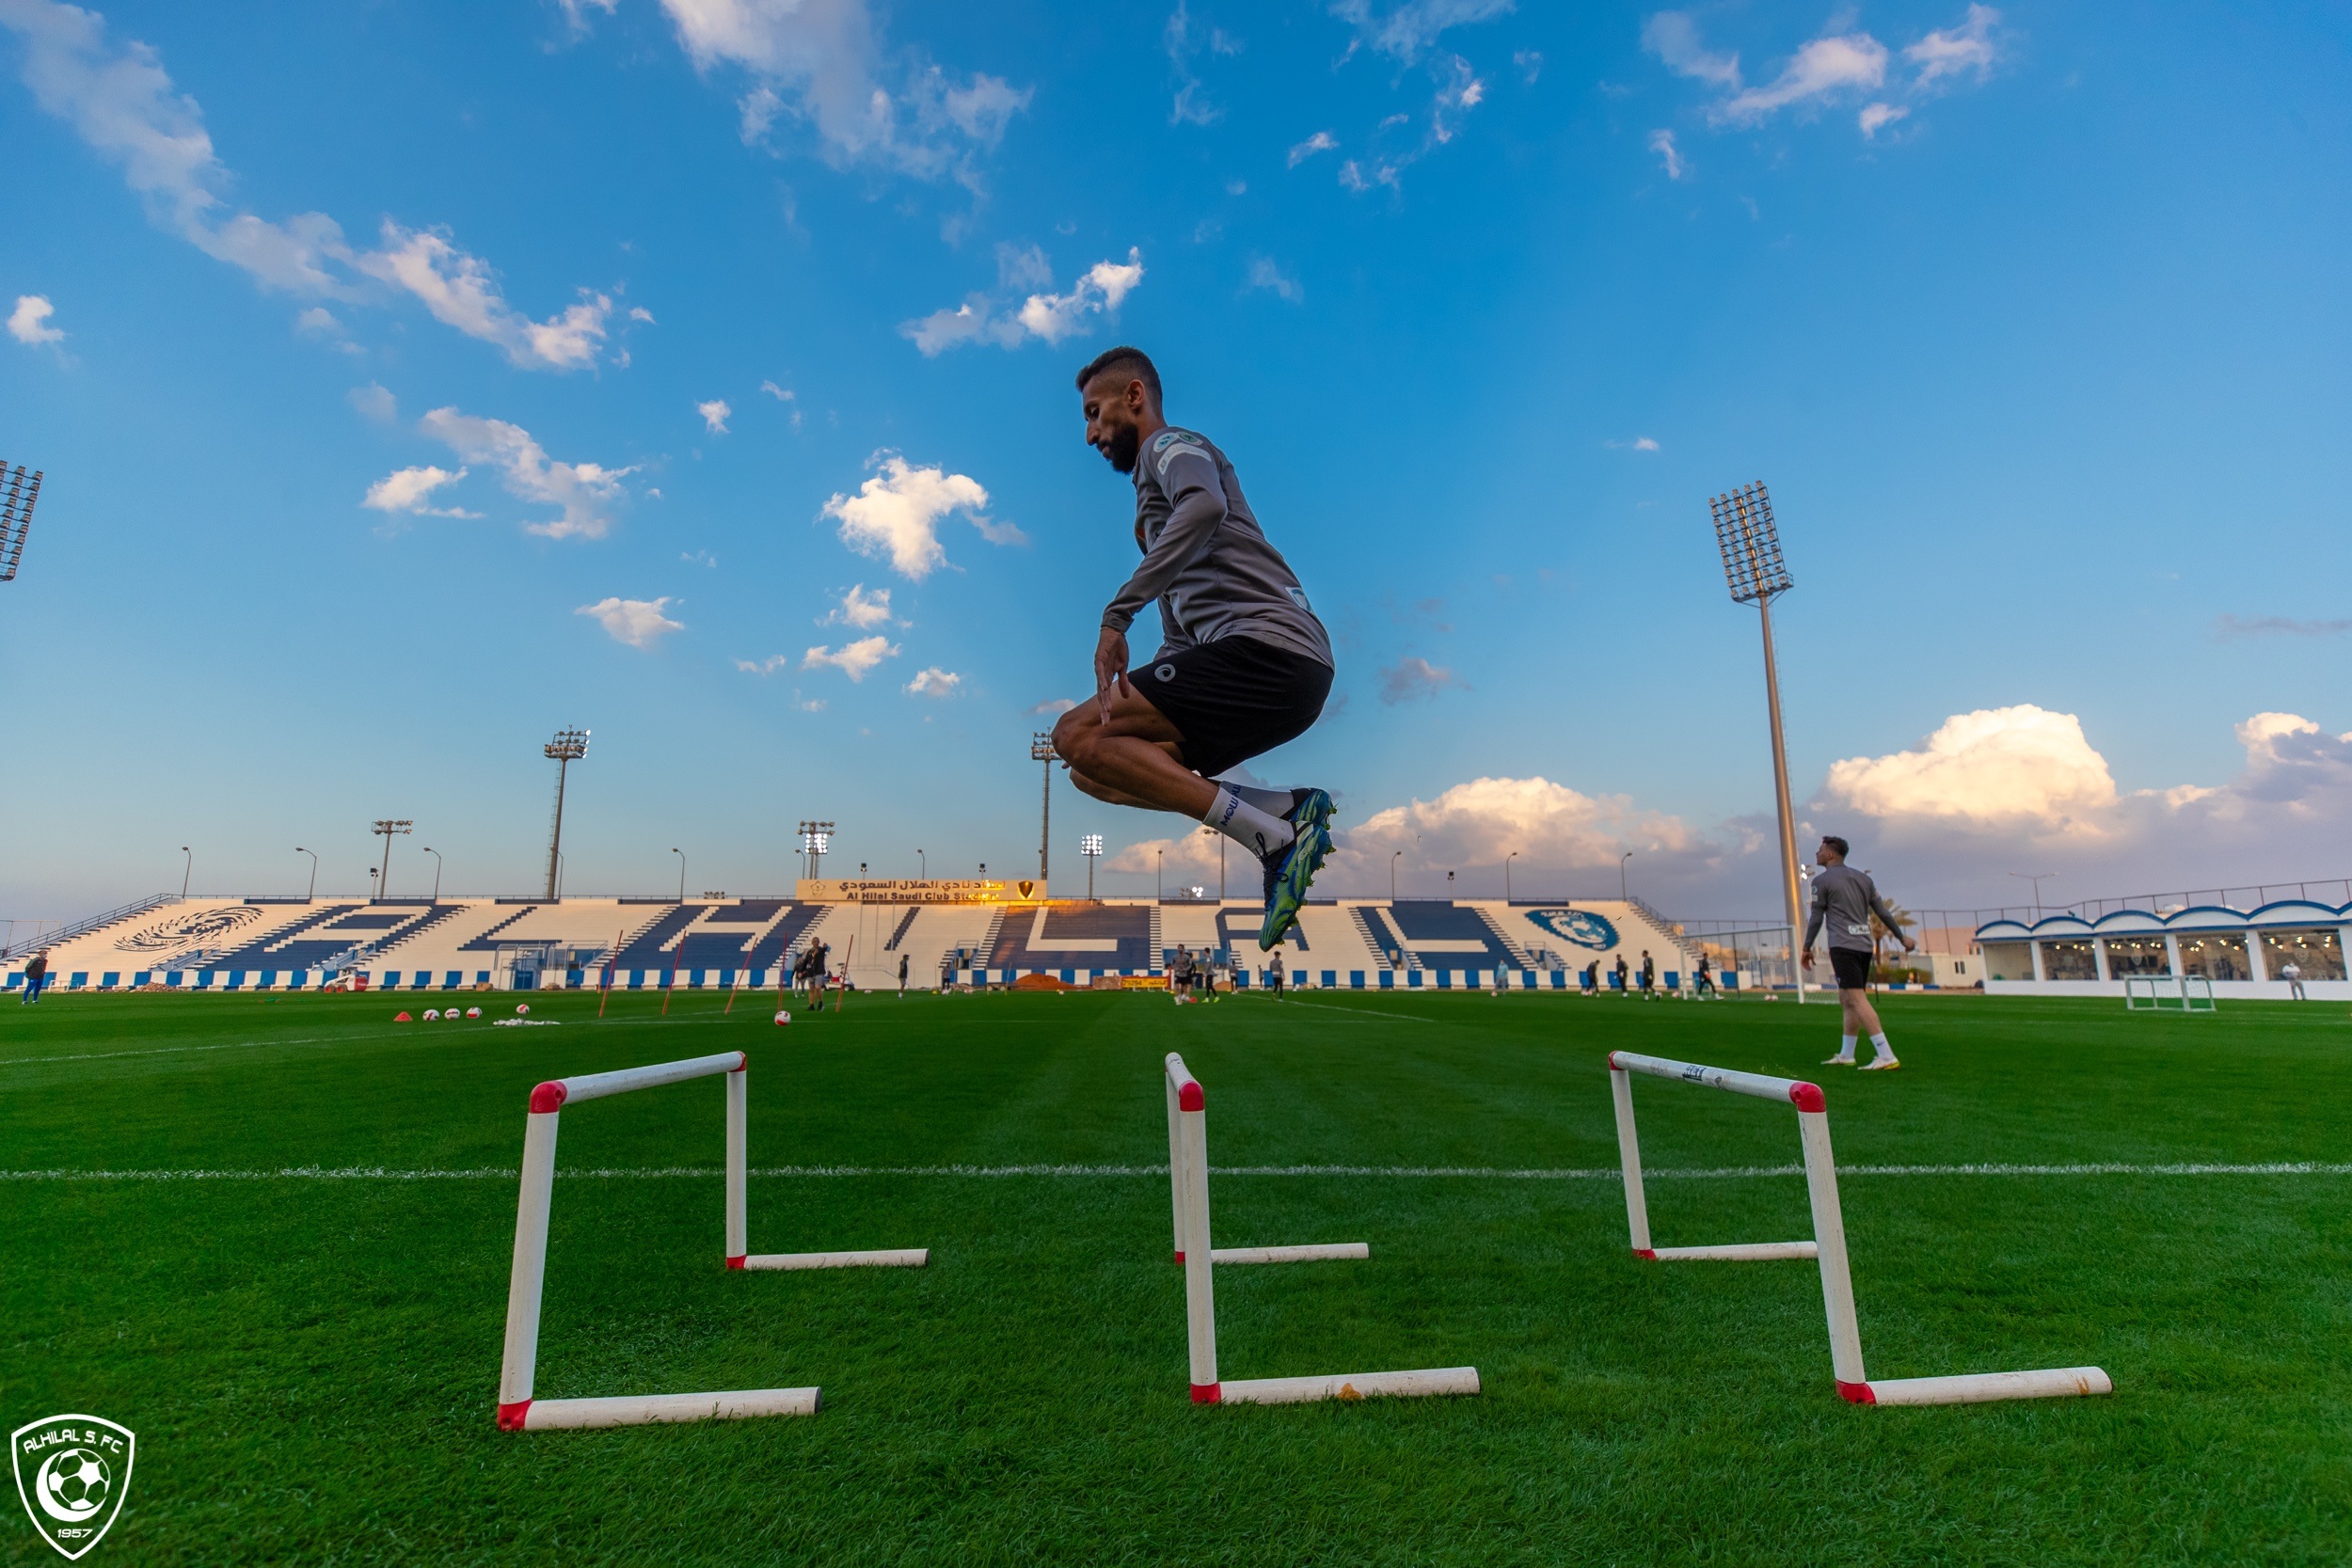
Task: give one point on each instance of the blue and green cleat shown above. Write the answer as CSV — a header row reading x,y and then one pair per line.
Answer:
x,y
1289,873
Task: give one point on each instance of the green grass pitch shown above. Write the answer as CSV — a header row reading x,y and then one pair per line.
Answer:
x,y
310,1361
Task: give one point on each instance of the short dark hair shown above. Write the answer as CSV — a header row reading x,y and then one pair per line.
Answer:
x,y
1838,844
1133,360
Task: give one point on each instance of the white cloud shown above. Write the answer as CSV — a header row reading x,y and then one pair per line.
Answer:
x,y
585,491
973,322
1993,765
1826,66
29,322
861,609
714,415
819,63
1054,317
1264,274
1674,38
1408,678
1321,141
1948,52
1181,42
779,393
1021,266
409,489
1406,30
638,623
121,101
855,659
1476,824
768,666
1195,854
639,314
460,292
1054,705
1663,143
897,514
1877,117
2230,627
374,401
1639,443
934,681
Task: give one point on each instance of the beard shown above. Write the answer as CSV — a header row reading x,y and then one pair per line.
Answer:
x,y
1126,445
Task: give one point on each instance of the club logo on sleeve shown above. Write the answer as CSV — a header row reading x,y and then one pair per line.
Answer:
x,y
73,1473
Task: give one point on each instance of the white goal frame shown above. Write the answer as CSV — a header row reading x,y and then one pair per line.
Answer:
x,y
517,1410
2158,984
1828,1246
1188,1174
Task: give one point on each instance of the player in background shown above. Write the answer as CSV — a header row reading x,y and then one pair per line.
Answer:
x,y
1244,665
1843,899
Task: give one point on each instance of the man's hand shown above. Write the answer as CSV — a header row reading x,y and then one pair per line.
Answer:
x,y
1806,957
1110,667
1910,946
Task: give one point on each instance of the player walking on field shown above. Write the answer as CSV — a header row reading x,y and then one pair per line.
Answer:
x,y
1244,664
1844,899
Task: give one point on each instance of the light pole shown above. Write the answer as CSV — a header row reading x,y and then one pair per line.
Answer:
x,y
681,872
562,864
437,872
816,838
1506,874
1750,542
312,896
2037,879
1392,857
1623,896
1091,847
388,826
922,866
567,747
186,871
1159,874
1221,841
1041,750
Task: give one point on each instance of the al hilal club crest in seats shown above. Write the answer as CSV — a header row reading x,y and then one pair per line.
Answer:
x,y
73,1473
1580,927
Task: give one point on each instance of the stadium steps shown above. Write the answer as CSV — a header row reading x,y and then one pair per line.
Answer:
x,y
401,937
899,933
1376,942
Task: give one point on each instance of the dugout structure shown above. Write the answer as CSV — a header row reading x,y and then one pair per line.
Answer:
x,y
1828,1246
1188,1177
517,1410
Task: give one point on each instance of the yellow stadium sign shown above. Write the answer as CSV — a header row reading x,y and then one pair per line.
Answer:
x,y
910,889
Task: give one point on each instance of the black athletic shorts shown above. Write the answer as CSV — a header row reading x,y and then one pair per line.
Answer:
x,y
1234,699
1853,967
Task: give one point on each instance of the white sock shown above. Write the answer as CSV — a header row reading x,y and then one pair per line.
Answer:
x,y
1258,832
1274,802
1878,1042
1845,1047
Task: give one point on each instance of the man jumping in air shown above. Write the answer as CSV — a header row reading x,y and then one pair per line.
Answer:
x,y
1844,899
1244,664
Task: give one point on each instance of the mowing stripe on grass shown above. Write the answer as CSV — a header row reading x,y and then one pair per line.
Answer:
x,y
1610,1173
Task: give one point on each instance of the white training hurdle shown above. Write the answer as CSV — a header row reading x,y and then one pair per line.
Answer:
x,y
1828,1246
517,1410
2183,999
1188,1177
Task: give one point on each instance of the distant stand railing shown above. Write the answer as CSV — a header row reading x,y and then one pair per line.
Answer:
x,y
84,927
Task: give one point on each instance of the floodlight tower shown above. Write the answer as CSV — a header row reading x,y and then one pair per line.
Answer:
x,y
388,826
816,838
1091,847
1750,542
17,497
567,747
1041,750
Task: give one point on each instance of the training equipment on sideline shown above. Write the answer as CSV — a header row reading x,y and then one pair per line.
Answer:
x,y
1189,1173
517,1410
1828,1244
2181,1000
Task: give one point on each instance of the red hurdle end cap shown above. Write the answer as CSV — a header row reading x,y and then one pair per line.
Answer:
x,y
1612,1061
1650,1253
742,1063
1189,1096
1807,1097
1856,1393
548,1097
736,1262
1208,1393
511,1416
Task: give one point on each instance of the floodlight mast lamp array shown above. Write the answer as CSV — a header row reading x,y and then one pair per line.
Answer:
x,y
816,838
1041,750
1091,847
1750,542
18,495
388,826
567,747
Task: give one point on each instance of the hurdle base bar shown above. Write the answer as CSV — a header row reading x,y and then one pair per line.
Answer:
x,y
1348,1385
1316,1252
1743,1252
645,1409
905,1258
2056,1382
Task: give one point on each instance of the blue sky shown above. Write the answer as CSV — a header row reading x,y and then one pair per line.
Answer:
x,y
2033,318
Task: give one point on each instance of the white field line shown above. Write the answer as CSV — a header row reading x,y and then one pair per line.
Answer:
x,y
1726,1173
1358,1012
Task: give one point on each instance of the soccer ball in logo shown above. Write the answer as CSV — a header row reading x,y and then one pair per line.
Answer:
x,y
73,1485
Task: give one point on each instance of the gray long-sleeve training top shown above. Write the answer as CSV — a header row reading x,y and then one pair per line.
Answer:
x,y
1205,559
1844,899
